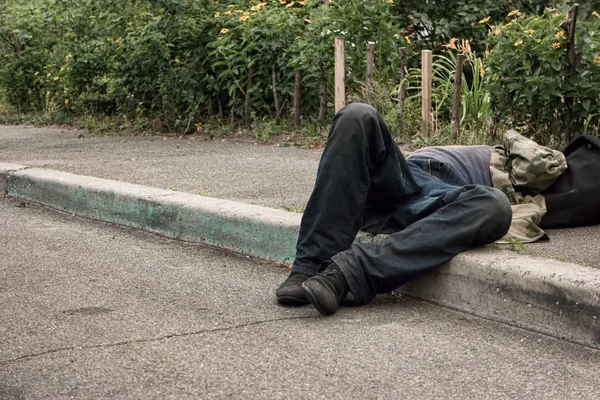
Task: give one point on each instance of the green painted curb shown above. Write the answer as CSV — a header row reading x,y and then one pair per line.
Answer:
x,y
248,229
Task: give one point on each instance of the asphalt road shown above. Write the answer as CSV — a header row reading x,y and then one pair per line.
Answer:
x,y
278,177
92,310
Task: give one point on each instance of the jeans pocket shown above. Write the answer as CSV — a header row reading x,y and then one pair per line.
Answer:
x,y
438,169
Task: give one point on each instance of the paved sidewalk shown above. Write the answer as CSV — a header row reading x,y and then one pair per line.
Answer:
x,y
242,171
276,177
546,295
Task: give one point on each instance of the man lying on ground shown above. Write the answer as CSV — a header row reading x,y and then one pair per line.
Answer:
x,y
433,205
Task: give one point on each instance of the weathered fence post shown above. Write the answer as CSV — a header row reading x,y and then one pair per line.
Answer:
x,y
402,92
323,102
370,68
297,95
340,74
426,82
248,97
569,27
275,94
460,62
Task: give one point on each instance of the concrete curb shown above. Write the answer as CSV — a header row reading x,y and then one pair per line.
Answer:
x,y
254,230
547,296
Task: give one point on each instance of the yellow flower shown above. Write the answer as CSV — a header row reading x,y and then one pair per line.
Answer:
x,y
551,9
66,101
244,18
290,5
258,7
559,34
217,14
558,15
390,1
518,43
48,75
298,37
451,44
496,31
495,77
230,6
224,30
596,14
597,59
508,24
282,2
407,38
36,73
228,12
483,21
62,69
239,11
556,45
67,57
481,73
56,78
487,53
466,47
303,2
514,12
307,20
528,31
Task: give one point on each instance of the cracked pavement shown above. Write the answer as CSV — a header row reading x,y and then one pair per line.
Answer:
x,y
93,310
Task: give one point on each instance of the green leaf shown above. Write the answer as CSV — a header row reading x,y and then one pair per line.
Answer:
x,y
586,104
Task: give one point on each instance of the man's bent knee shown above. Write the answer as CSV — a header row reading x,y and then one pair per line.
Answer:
x,y
358,110
355,119
497,211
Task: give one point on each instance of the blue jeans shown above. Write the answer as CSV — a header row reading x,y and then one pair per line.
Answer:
x,y
364,182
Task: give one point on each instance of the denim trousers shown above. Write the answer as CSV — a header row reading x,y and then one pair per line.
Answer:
x,y
364,182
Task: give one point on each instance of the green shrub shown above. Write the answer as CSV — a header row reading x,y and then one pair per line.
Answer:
x,y
175,64
527,73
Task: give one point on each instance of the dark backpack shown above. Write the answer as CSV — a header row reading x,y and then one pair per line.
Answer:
x,y
574,198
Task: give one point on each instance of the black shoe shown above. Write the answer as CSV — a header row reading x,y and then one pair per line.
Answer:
x,y
326,290
290,292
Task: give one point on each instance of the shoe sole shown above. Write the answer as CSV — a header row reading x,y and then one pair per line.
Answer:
x,y
292,301
313,300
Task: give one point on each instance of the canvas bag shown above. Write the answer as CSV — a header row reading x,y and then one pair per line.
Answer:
x,y
574,198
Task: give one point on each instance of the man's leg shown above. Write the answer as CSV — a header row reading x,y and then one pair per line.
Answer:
x,y
361,174
469,216
462,218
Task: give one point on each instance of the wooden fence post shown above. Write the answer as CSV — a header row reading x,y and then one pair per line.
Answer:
x,y
275,94
460,62
370,68
426,82
402,92
569,27
248,96
297,95
323,100
340,74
